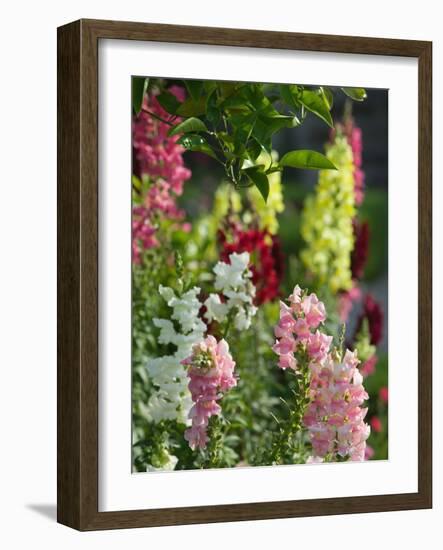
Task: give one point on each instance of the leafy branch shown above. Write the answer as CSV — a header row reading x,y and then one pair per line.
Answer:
x,y
234,123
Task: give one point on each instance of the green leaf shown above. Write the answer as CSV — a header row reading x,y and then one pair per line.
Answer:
x,y
194,88
191,124
357,94
194,142
139,87
274,169
265,126
192,107
259,178
212,111
136,183
290,93
317,105
169,102
304,158
235,103
254,149
328,96
227,88
209,85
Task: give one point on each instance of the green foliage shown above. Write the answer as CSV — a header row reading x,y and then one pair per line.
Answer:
x,y
168,101
194,142
357,94
192,124
195,88
316,103
139,87
307,159
236,121
259,178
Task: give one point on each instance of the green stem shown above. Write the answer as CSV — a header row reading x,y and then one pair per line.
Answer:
x,y
150,113
284,442
215,440
228,323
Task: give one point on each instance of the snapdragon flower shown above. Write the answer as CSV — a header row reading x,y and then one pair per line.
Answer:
x,y
294,330
327,221
172,400
355,140
233,281
159,160
268,264
334,415
211,374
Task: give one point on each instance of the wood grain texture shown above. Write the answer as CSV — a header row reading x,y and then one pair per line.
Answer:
x,y
68,276
78,271
425,274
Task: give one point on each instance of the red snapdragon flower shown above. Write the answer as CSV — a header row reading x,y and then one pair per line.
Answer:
x,y
360,253
373,312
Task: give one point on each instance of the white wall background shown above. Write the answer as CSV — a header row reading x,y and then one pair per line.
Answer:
x,y
28,270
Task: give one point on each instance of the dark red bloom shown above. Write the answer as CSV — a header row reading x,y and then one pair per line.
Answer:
x,y
266,258
374,314
376,424
359,255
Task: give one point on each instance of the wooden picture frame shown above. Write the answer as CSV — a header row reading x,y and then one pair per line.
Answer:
x,y
78,274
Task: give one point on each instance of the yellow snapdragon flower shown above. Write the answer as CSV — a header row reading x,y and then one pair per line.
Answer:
x,y
326,225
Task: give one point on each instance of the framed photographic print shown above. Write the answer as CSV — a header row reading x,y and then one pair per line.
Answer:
x,y
244,275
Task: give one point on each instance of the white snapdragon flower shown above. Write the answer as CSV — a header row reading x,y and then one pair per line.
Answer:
x,y
186,309
236,299
243,318
166,293
162,369
161,408
172,400
234,281
215,309
168,335
232,275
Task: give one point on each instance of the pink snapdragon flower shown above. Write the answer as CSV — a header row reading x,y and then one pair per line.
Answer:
x,y
369,452
211,374
346,300
354,136
369,365
143,232
335,416
314,310
295,299
160,158
295,326
158,155
318,346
